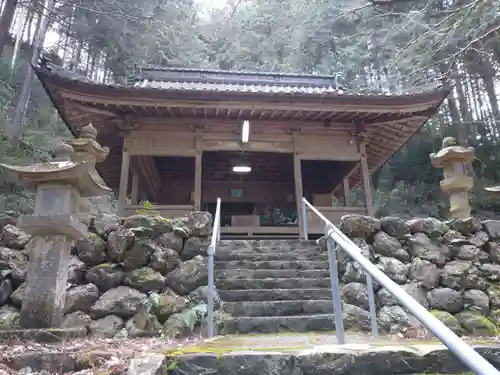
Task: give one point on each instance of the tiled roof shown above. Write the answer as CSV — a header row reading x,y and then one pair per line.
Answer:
x,y
238,87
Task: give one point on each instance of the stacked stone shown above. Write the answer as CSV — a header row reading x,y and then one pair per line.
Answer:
x,y
115,269
451,268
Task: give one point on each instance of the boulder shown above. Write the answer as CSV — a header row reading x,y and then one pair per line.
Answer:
x,y
143,325
168,303
91,250
467,226
171,241
106,276
164,260
477,300
145,279
493,250
445,299
188,276
426,273
490,271
8,218
200,223
150,365
200,295
103,224
5,290
184,323
81,298
466,252
106,327
17,295
395,269
478,239
355,317
477,324
413,289
119,242
13,237
122,301
395,227
389,246
494,296
76,271
449,321
461,275
16,262
77,319
423,247
138,255
9,317
430,226
359,226
194,246
394,319
492,227
355,294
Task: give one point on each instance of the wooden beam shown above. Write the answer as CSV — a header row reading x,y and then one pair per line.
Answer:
x,y
89,108
347,190
297,172
122,195
376,104
135,189
160,123
366,176
198,175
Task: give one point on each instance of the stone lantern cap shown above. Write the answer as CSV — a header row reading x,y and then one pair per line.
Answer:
x,y
450,153
61,171
87,144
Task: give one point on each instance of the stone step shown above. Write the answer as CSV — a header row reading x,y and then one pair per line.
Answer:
x,y
257,256
272,265
244,295
278,308
273,283
266,273
269,242
275,324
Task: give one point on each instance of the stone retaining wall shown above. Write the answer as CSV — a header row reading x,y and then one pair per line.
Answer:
x,y
452,268
138,276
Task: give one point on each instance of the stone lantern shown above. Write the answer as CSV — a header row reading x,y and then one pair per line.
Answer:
x,y
87,149
455,161
54,227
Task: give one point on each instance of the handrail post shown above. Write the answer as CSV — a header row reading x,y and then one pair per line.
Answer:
x,y
371,304
335,287
211,292
304,219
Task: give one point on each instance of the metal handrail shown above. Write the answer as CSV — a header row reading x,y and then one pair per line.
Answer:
x,y
211,252
455,344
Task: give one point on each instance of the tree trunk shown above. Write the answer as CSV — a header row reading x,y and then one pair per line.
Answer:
x,y
14,130
6,21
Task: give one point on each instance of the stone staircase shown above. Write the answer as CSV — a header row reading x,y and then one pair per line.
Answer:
x,y
273,286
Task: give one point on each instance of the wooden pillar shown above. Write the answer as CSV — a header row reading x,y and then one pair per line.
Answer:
x,y
347,190
297,172
197,180
365,174
122,193
134,195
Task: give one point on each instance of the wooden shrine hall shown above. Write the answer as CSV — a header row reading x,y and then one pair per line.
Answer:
x,y
180,138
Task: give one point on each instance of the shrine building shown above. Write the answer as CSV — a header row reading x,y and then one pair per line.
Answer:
x,y
181,138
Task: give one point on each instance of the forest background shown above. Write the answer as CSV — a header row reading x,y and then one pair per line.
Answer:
x,y
384,46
